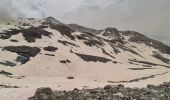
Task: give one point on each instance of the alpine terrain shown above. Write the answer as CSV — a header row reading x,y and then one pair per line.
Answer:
x,y
45,52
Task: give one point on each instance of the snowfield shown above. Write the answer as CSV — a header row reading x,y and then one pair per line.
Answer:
x,y
90,59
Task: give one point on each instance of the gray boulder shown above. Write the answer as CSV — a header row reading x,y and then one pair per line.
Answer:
x,y
44,93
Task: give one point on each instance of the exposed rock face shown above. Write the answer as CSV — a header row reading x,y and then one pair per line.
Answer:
x,y
112,92
12,40
160,57
50,48
2,72
63,29
8,63
107,53
139,79
140,38
7,86
90,39
49,54
34,33
30,34
24,52
67,43
8,33
111,33
93,58
149,63
65,61
51,20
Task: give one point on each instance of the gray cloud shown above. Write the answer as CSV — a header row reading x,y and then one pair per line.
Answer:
x,y
10,9
147,16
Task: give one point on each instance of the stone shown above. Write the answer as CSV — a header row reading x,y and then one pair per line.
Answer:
x,y
44,93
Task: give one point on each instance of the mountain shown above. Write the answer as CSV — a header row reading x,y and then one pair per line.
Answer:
x,y
47,52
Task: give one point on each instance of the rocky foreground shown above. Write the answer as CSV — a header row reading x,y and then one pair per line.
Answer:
x,y
109,92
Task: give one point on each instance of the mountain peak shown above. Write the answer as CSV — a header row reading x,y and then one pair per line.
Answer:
x,y
111,32
51,20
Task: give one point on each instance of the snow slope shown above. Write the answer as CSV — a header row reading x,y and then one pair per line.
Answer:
x,y
93,57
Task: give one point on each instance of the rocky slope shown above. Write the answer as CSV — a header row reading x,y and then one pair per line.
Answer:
x,y
110,41
109,92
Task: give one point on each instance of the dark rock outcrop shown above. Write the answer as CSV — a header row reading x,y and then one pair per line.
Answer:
x,y
65,61
30,34
22,59
160,57
13,40
65,31
148,63
90,39
62,28
93,43
2,72
92,58
125,48
67,43
104,51
33,33
140,68
8,63
8,33
70,77
49,54
24,52
50,48
7,86
139,79
111,33
141,38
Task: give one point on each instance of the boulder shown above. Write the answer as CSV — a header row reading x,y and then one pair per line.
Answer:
x,y
44,93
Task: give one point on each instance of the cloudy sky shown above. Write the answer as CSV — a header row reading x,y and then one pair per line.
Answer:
x,y
150,17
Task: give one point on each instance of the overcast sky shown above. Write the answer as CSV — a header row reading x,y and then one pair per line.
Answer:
x,y
150,17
